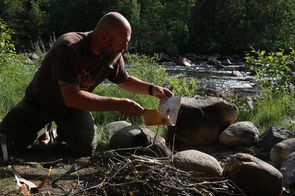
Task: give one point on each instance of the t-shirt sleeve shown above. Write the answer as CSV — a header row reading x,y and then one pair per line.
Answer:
x,y
119,74
65,64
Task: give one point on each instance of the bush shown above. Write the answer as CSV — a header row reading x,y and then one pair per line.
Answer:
x,y
275,69
6,47
275,103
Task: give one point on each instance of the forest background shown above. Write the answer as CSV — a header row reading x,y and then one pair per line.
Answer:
x,y
172,26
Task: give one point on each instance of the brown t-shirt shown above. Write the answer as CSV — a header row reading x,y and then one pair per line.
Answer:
x,y
71,60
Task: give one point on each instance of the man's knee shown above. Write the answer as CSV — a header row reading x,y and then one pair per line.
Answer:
x,y
79,132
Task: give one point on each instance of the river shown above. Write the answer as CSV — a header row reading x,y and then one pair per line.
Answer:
x,y
230,79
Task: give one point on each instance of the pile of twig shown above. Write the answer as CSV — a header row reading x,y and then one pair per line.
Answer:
x,y
133,175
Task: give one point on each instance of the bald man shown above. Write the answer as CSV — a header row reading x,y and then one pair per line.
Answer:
x,y
61,90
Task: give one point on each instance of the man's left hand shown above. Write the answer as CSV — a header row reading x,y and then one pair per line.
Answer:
x,y
161,92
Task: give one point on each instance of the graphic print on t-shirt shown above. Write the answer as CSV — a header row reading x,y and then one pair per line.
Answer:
x,y
97,71
86,81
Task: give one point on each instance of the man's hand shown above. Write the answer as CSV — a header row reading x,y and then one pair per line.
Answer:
x,y
129,107
161,93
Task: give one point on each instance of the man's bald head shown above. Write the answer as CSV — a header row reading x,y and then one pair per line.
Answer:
x,y
113,22
111,34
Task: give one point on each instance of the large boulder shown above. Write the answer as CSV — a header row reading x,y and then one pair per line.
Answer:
x,y
253,176
135,136
193,160
201,120
115,126
275,135
280,152
288,171
240,134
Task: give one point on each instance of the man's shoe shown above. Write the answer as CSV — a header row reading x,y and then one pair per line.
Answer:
x,y
7,148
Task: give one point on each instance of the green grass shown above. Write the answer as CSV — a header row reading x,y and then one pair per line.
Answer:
x,y
15,75
270,110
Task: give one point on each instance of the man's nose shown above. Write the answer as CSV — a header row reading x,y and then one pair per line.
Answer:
x,y
125,47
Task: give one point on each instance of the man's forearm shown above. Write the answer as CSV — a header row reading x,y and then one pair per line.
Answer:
x,y
80,99
135,85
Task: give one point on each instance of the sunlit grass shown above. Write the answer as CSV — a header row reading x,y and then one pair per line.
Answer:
x,y
268,111
15,75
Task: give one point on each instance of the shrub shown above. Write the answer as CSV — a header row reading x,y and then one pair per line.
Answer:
x,y
275,69
6,47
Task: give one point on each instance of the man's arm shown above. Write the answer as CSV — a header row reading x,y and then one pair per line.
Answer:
x,y
74,97
136,85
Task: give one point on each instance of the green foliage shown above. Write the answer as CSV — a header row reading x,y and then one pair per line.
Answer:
x,y
27,18
162,26
236,25
269,110
275,69
146,68
183,86
275,103
6,46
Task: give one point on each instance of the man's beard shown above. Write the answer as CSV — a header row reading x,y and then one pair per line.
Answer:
x,y
109,58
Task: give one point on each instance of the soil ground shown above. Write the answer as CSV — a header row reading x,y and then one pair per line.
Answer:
x,y
34,166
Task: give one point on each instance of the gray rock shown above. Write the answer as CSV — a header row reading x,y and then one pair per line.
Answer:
x,y
213,61
165,58
193,160
281,151
113,127
183,62
237,73
240,134
200,121
134,136
288,170
275,135
253,176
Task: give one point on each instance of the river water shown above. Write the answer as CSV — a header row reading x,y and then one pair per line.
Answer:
x,y
228,80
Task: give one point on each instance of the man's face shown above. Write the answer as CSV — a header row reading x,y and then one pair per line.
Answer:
x,y
114,47
119,44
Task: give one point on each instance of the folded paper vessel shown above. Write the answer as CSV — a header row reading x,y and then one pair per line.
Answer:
x,y
166,114
154,117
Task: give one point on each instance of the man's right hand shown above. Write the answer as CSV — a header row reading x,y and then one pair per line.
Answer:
x,y
129,107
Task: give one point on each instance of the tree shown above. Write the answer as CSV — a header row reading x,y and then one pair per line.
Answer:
x,y
236,25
